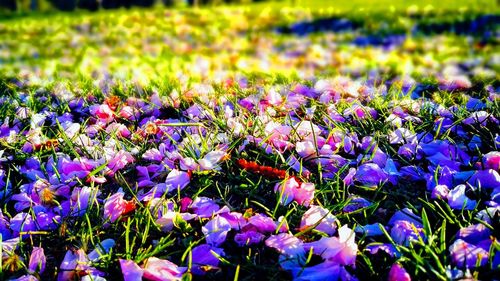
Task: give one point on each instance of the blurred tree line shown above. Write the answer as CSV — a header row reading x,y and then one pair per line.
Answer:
x,y
94,5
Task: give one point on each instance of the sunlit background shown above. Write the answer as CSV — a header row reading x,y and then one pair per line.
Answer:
x,y
215,40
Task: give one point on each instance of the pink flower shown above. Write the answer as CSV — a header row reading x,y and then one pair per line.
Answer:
x,y
398,273
320,217
290,189
119,161
118,129
304,194
235,219
184,203
73,168
103,112
273,97
131,271
286,190
491,160
129,113
115,206
341,250
156,269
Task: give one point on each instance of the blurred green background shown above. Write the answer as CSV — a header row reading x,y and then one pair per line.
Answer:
x,y
7,7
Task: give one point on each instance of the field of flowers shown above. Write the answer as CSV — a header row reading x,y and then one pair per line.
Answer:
x,y
242,143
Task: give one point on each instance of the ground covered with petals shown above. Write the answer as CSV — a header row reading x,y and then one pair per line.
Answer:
x,y
251,144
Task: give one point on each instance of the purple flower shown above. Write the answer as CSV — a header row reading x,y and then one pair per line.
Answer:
x,y
4,227
458,200
82,199
474,234
355,204
475,104
402,136
306,129
289,246
376,156
464,254
216,230
22,222
326,271
248,238
485,179
167,220
103,248
390,249
262,223
370,229
406,215
143,178
205,256
370,174
177,180
349,178
154,154
442,124
440,192
235,219
404,232
296,165
37,260
73,260
306,149
204,207
305,91
479,118
131,271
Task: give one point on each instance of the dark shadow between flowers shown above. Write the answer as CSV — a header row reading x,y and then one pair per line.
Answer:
x,y
483,27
